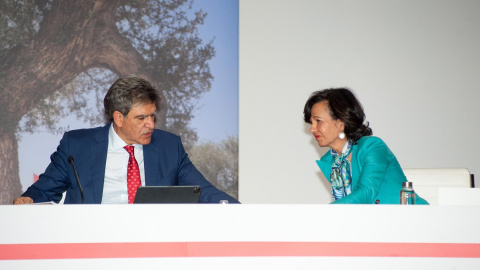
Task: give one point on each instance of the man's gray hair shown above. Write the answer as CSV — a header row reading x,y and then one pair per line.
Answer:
x,y
128,91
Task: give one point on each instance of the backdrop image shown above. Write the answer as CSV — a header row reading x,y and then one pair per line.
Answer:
x,y
58,58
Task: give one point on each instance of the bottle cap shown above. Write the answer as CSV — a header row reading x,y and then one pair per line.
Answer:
x,y
407,184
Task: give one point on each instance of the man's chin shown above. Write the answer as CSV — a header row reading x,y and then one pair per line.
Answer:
x,y
145,141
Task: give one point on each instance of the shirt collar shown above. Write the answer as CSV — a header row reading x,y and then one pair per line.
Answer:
x,y
348,144
116,143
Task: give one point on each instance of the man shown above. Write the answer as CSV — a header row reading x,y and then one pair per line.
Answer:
x,y
103,155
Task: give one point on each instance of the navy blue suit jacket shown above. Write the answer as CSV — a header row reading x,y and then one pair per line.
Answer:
x,y
165,160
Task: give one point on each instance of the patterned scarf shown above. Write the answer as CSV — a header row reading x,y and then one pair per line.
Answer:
x,y
341,175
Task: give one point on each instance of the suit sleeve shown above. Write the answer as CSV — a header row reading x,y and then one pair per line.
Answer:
x,y
374,160
54,181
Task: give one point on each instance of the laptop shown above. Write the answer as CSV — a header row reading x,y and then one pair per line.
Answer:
x,y
168,194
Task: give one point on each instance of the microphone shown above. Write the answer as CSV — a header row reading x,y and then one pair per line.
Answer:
x,y
70,160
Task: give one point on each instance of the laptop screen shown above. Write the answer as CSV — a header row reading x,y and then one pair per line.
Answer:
x,y
168,194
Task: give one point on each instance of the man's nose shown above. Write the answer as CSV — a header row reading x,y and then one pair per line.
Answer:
x,y
150,121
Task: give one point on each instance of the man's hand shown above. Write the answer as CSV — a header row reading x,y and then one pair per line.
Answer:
x,y
22,200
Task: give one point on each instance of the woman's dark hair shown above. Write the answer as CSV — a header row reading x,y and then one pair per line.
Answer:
x,y
126,92
343,105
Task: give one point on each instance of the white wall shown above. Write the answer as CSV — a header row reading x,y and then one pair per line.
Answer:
x,y
414,65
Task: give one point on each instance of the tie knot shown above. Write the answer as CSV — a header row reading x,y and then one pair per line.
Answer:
x,y
129,149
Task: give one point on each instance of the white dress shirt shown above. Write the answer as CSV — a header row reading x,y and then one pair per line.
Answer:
x,y
115,184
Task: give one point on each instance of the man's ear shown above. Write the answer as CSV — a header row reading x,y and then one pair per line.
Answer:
x,y
118,118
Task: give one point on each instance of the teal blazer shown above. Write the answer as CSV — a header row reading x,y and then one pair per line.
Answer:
x,y
376,174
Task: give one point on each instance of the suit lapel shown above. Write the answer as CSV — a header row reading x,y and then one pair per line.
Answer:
x,y
98,161
150,163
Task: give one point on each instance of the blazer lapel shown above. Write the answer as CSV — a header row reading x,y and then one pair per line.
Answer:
x,y
98,161
356,168
150,163
325,165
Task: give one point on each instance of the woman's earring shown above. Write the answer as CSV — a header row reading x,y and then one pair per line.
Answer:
x,y
341,135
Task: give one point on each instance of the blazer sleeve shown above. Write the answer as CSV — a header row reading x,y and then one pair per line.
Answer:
x,y
54,181
373,161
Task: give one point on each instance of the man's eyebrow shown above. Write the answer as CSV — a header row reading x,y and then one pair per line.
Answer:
x,y
145,115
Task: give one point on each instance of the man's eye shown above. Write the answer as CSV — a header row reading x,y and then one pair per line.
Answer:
x,y
141,118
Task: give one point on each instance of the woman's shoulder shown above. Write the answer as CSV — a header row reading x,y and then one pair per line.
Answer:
x,y
372,146
366,141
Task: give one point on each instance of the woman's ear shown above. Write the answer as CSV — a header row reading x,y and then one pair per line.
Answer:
x,y
340,125
118,118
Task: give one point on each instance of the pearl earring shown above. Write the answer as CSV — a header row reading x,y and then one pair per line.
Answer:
x,y
341,135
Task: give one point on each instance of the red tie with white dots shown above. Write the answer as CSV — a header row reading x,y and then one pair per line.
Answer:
x,y
133,174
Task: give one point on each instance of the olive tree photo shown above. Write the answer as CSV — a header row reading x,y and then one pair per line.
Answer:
x,y
58,58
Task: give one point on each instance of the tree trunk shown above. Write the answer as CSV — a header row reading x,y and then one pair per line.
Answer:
x,y
73,37
10,186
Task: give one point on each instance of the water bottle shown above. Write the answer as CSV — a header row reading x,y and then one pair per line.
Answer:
x,y
407,195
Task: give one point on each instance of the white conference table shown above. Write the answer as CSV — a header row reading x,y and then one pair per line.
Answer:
x,y
459,196
247,236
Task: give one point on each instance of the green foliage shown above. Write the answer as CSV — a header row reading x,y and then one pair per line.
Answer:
x,y
166,35
19,22
164,32
53,64
218,162
83,97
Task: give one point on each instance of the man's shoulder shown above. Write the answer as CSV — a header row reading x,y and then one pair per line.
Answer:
x,y
160,136
87,135
164,140
86,132
165,134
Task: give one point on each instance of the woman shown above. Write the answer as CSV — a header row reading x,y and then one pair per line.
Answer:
x,y
360,168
